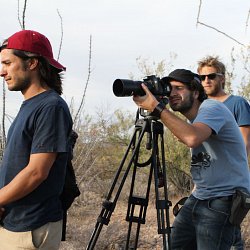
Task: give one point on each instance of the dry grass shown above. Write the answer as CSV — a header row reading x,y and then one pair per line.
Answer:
x,y
82,219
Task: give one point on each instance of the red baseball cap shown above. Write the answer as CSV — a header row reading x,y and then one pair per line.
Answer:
x,y
34,42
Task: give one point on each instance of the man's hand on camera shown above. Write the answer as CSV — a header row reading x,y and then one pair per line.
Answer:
x,y
148,101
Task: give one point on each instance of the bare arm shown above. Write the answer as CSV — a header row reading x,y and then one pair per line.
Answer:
x,y
245,131
190,134
29,178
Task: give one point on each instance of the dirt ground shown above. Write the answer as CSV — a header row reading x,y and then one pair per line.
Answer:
x,y
81,223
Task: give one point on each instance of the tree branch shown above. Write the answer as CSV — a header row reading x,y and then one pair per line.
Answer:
x,y
211,27
198,16
24,11
223,33
60,46
22,23
18,11
247,21
87,82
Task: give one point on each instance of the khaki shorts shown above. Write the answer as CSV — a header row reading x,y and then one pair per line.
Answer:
x,y
46,237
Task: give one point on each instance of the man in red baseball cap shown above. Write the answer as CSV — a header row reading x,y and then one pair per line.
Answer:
x,y
33,167
34,42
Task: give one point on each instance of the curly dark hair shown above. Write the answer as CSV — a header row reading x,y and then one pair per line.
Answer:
x,y
195,85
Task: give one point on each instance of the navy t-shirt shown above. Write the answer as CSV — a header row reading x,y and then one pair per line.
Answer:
x,y
42,125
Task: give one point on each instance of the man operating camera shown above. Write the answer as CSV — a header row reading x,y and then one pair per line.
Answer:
x,y
219,162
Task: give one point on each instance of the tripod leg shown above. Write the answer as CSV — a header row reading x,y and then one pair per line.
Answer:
x,y
142,203
109,206
163,204
139,204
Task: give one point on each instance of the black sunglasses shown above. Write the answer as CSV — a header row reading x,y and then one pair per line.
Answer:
x,y
210,76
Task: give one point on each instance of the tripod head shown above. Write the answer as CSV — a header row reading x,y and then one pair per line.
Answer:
x,y
146,120
148,115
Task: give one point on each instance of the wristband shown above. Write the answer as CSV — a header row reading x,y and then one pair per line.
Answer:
x,y
158,109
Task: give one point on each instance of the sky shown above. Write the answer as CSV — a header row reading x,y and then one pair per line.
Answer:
x,y
121,31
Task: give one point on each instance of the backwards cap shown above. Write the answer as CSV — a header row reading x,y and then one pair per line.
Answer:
x,y
182,75
187,77
34,42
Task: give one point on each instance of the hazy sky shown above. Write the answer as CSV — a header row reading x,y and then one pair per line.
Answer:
x,y
123,30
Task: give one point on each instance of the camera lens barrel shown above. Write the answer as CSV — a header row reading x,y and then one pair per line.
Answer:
x,y
123,87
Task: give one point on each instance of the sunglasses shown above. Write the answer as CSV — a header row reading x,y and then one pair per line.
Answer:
x,y
211,76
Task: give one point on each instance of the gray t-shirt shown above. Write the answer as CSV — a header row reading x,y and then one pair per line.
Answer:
x,y
219,165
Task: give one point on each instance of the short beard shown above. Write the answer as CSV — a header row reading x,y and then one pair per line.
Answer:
x,y
24,84
184,107
215,91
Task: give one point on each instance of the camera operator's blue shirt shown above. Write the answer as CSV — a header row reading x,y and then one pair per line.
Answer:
x,y
42,125
219,165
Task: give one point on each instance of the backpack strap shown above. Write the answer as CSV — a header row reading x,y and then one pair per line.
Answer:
x,y
70,188
64,225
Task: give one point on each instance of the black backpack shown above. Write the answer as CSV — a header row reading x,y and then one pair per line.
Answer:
x,y
70,188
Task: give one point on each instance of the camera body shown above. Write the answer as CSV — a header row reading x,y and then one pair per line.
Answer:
x,y
157,86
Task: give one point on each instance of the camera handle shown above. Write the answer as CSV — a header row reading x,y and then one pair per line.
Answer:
x,y
136,203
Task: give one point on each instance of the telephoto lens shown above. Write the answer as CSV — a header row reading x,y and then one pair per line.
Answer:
x,y
123,87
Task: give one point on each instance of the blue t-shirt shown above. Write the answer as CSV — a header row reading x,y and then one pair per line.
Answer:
x,y
219,165
42,125
240,109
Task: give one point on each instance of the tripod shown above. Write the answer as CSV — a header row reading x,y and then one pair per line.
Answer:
x,y
154,130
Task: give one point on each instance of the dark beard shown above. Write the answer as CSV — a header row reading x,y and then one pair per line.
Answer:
x,y
24,82
21,86
184,107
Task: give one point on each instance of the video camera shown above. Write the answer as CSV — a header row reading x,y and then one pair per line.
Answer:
x,y
157,86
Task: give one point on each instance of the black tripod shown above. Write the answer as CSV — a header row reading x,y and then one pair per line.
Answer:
x,y
139,204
